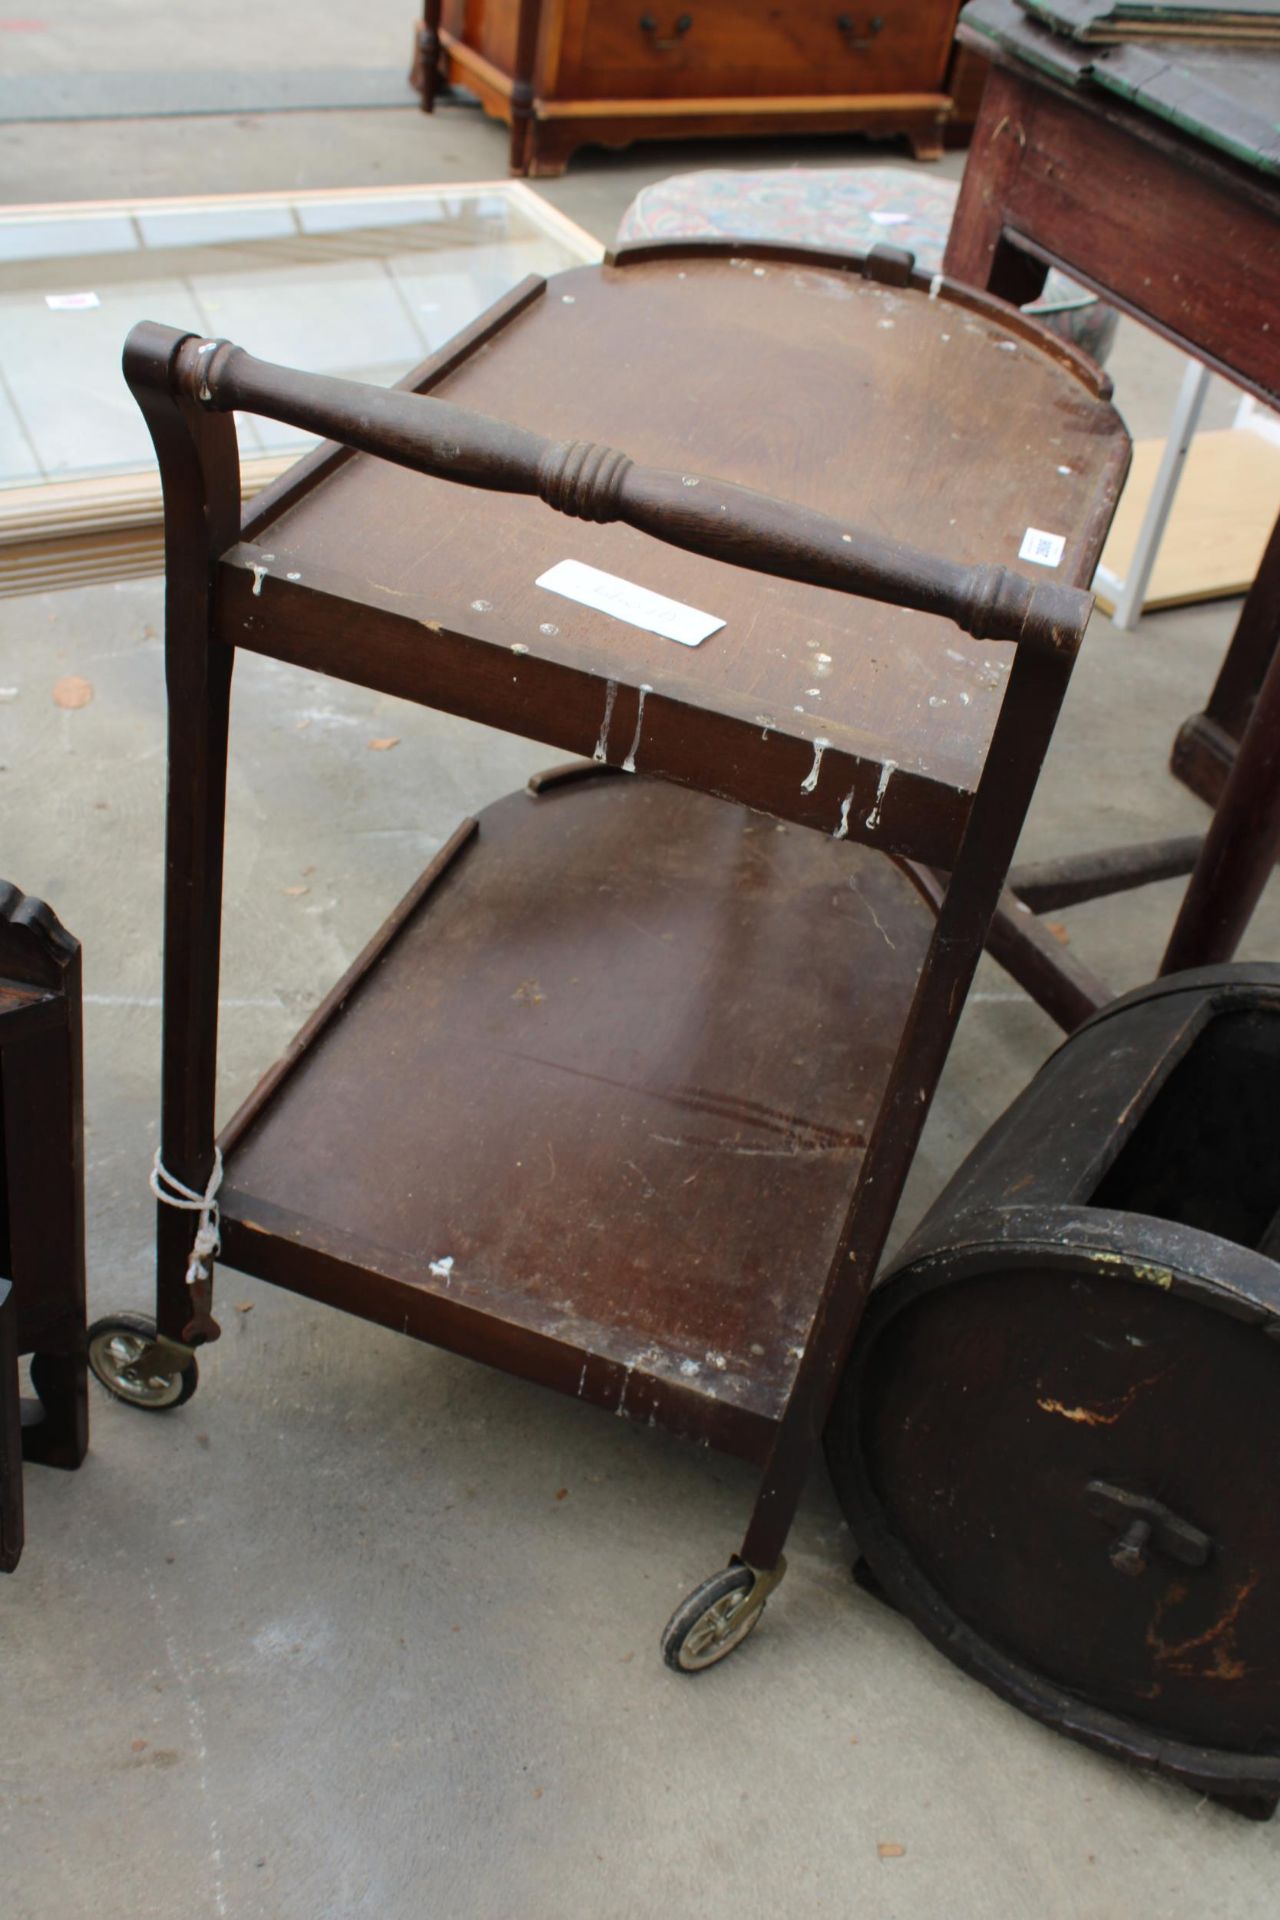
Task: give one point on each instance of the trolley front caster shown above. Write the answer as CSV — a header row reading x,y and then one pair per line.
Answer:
x,y
717,1616
137,1366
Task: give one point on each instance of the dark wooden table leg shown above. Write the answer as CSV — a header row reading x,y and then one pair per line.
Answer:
x,y
425,73
10,1436
1240,847
523,124
1067,990
1206,743
978,249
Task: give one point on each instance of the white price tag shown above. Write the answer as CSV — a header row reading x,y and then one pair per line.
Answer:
x,y
1044,548
71,302
625,601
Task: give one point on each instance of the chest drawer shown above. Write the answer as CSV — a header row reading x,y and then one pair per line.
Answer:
x,y
660,49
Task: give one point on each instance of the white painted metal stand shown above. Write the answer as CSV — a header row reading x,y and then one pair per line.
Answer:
x,y
1130,593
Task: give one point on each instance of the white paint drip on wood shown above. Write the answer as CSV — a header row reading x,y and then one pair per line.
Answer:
x,y
629,764
810,783
442,1269
206,347
259,575
889,768
602,744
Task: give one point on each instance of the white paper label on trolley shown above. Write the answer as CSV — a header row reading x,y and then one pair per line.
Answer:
x,y
1044,548
626,601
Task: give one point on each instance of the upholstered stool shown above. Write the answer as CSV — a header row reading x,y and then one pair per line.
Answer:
x,y
852,208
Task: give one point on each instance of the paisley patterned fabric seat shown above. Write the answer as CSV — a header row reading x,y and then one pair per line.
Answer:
x,y
843,207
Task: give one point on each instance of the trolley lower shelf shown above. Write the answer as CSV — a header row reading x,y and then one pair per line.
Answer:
x,y
592,1105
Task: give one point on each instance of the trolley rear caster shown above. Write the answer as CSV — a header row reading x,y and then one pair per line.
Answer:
x,y
717,1616
136,1365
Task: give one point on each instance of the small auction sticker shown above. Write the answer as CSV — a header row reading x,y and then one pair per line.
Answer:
x,y
1044,548
71,302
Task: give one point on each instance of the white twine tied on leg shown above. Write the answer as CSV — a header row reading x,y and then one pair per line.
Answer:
x,y
207,1244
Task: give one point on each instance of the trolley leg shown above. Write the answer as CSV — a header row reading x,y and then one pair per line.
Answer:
x,y
199,467
1027,716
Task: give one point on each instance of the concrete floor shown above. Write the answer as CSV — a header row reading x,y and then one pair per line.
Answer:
x,y
367,1629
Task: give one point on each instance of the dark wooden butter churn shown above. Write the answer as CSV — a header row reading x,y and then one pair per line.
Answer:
x,y
1058,1439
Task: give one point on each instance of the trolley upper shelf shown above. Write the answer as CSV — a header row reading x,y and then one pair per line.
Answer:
x,y
812,382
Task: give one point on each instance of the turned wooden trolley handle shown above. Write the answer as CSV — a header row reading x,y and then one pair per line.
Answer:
x,y
691,510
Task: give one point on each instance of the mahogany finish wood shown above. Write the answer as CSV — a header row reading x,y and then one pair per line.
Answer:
x,y
570,73
1207,743
586,481
875,680
1183,238
1177,235
1046,886
556,1148
1241,846
1081,1337
1056,980
42,1179
528,1125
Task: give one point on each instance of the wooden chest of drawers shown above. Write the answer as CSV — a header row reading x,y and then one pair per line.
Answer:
x,y
569,73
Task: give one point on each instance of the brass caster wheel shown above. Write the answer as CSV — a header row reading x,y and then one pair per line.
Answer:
x,y
135,1365
717,1617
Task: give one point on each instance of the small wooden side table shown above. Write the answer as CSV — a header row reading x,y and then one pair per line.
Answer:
x,y
1161,204
41,1188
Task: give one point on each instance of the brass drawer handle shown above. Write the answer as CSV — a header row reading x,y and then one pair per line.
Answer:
x,y
649,27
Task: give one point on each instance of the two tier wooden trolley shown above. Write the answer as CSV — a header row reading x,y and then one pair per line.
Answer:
x,y
660,1177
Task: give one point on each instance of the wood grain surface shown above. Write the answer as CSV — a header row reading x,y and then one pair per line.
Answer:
x,y
602,1100
915,417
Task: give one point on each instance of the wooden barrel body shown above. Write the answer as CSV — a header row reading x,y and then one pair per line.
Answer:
x,y
1058,1438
